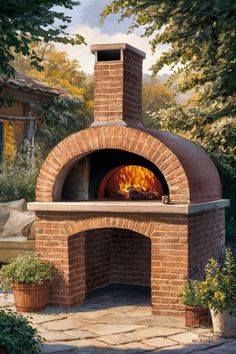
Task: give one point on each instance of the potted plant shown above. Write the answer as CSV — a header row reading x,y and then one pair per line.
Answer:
x,y
17,334
30,279
219,292
196,312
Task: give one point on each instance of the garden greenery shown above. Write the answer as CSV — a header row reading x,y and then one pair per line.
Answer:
x,y
200,47
17,336
189,294
25,22
18,178
60,117
26,269
218,290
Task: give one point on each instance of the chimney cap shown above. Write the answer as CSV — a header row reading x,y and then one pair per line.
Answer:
x,y
114,46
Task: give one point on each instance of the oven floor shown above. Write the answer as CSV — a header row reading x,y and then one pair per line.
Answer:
x,y
119,295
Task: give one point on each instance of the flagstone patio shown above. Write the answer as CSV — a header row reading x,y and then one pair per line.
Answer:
x,y
117,319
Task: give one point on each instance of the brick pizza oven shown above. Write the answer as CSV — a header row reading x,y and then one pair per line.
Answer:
x,y
121,203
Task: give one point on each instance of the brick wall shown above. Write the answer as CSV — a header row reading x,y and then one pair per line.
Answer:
x,y
169,264
118,89
98,258
108,91
132,96
61,239
130,258
116,256
206,239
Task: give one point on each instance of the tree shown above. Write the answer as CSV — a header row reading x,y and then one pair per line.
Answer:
x,y
68,113
25,22
202,39
58,70
154,97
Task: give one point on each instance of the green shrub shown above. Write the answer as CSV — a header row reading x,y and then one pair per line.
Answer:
x,y
26,269
18,179
219,287
189,294
17,336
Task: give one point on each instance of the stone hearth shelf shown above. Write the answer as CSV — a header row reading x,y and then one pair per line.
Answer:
x,y
151,207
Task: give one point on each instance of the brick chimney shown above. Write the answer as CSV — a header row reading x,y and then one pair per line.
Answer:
x,y
117,84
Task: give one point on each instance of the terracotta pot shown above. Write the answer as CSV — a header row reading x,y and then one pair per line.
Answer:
x,y
224,323
196,316
30,297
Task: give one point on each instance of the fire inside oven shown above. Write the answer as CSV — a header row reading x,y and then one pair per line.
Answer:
x,y
130,182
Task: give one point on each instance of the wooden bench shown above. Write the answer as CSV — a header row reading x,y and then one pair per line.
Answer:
x,y
11,247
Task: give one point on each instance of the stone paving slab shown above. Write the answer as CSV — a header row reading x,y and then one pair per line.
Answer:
x,y
57,336
43,318
104,329
136,347
116,339
151,332
140,311
63,325
96,314
172,322
80,334
159,342
109,324
185,338
114,319
122,309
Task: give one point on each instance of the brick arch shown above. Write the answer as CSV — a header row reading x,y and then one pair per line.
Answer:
x,y
61,158
137,224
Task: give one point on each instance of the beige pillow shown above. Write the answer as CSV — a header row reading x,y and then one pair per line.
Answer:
x,y
19,205
5,208
32,232
16,222
4,214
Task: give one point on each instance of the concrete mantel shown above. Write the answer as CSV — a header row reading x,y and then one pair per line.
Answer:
x,y
142,207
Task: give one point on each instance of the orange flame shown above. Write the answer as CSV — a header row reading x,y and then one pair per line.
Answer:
x,y
123,178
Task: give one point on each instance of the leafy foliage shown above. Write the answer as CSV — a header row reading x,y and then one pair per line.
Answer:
x,y
17,334
218,289
154,97
201,35
18,179
202,40
217,139
26,269
59,71
59,118
68,113
25,22
189,294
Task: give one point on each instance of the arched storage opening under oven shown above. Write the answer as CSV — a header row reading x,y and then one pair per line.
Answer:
x,y
112,174
110,256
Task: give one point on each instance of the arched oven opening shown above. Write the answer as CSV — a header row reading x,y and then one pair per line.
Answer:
x,y
130,182
113,174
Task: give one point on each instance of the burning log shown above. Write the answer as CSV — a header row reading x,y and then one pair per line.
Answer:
x,y
134,193
117,195
140,194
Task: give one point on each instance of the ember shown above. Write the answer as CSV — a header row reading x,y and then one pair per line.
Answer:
x,y
130,183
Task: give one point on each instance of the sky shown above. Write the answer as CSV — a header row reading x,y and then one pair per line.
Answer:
x,y
86,22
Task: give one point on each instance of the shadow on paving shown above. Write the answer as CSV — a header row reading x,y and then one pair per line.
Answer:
x,y
112,295
209,348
